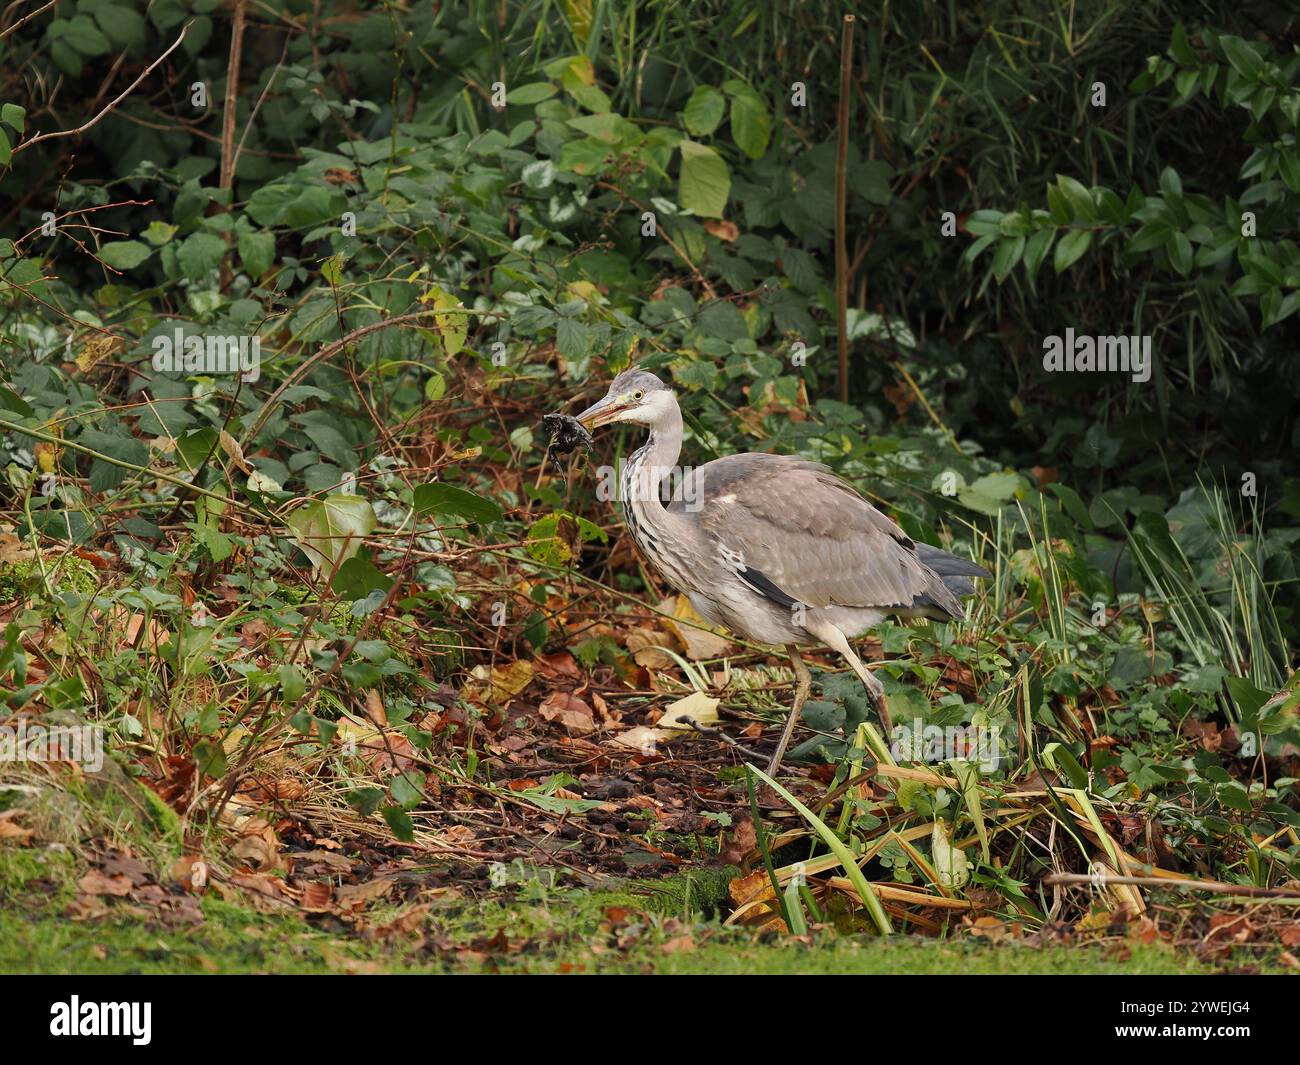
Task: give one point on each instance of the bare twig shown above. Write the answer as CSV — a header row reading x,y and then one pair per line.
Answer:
x,y
841,202
26,18
229,155
716,734
122,96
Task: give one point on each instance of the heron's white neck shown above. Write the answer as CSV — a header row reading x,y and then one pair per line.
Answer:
x,y
656,529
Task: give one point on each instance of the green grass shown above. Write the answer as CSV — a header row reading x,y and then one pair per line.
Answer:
x,y
554,931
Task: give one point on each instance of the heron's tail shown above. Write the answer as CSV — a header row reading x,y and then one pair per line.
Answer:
x,y
956,573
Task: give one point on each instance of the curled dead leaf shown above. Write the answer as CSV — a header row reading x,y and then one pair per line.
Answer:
x,y
570,711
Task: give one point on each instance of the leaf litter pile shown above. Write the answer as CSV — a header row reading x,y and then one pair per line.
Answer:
x,y
365,727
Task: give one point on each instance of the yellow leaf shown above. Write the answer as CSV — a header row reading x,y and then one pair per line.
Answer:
x,y
697,707
501,684
698,643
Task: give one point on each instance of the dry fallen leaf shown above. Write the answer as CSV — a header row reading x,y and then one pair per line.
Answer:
x,y
316,897
698,643
697,707
646,647
722,229
500,684
570,711
11,830
354,896
641,739
679,945
96,883
743,839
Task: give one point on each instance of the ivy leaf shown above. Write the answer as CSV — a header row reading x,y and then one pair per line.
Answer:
x,y
448,499
357,578
330,530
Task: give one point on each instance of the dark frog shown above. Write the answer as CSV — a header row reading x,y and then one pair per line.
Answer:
x,y
566,434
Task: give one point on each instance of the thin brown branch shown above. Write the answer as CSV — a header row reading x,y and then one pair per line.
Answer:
x,y
229,154
841,207
26,18
122,96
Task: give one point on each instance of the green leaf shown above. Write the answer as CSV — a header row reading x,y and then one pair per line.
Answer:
x,y
572,339
123,26
751,125
1036,251
257,252
400,822
1180,49
14,116
989,493
1072,245
1007,255
199,254
408,790
159,233
364,800
125,254
1288,168
330,530
357,578
1078,199
452,328
448,499
81,34
1180,253
532,93
1243,57
1248,698
1170,183
705,180
1152,235
292,685
704,110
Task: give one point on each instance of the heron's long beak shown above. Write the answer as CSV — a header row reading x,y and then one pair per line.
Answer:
x,y
602,412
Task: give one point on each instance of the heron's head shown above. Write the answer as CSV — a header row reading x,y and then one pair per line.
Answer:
x,y
634,396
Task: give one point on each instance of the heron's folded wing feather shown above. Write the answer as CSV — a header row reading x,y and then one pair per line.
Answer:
x,y
811,535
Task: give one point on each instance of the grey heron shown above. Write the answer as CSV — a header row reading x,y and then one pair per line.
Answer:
x,y
774,547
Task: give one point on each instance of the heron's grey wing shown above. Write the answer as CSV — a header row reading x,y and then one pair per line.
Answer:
x,y
797,533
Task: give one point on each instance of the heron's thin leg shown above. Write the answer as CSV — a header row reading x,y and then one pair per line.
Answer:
x,y
837,641
803,683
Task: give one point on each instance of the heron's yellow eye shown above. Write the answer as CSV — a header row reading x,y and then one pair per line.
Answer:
x,y
638,396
